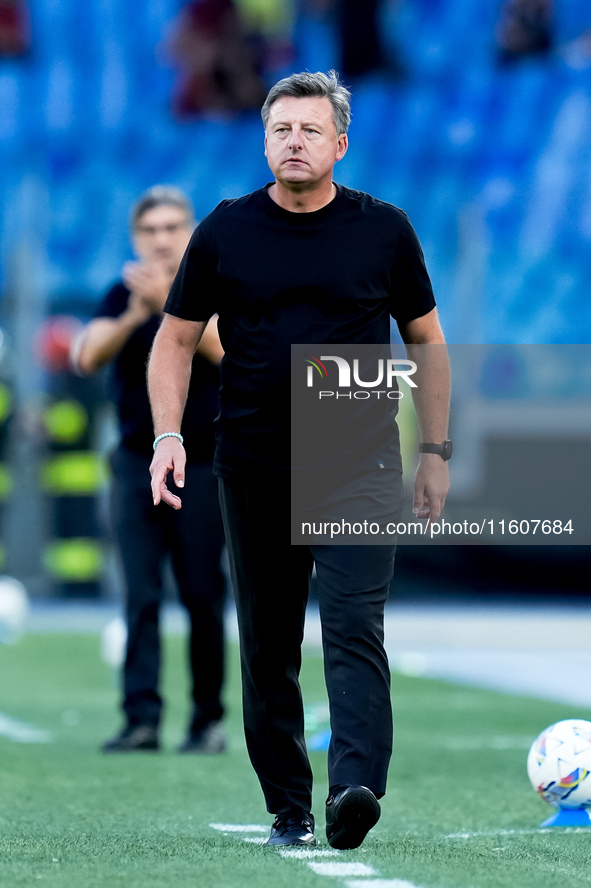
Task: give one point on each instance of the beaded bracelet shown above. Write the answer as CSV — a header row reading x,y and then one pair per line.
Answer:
x,y
167,435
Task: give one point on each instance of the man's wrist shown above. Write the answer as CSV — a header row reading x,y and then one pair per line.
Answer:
x,y
137,314
444,450
159,438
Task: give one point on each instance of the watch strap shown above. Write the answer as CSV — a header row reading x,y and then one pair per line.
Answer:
x,y
443,450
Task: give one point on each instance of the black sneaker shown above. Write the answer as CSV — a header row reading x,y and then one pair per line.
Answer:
x,y
134,738
351,811
295,828
211,740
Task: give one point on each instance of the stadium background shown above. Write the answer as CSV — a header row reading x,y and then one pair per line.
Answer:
x,y
491,163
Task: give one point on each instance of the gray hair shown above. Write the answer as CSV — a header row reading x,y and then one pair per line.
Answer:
x,y
161,196
316,85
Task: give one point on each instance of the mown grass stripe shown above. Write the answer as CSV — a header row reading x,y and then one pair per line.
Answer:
x,y
500,742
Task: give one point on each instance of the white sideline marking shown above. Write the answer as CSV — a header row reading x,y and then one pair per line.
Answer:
x,y
239,827
20,732
380,883
255,840
343,869
303,853
489,834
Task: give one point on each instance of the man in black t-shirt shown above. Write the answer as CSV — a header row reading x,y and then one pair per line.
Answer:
x,y
302,261
121,334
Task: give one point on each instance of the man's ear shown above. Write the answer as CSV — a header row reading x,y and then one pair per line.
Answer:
x,y
342,145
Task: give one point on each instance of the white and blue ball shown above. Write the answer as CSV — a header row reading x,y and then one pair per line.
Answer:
x,y
559,764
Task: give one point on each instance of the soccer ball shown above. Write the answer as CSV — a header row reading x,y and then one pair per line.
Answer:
x,y
14,607
559,764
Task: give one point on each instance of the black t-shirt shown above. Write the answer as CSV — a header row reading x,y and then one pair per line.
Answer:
x,y
276,278
129,390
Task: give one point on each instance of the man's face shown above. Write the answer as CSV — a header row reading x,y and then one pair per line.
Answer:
x,y
301,142
161,235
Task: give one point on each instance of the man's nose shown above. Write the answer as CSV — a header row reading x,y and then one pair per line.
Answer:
x,y
295,138
162,237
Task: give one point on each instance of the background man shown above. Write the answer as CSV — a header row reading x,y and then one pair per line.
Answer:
x,y
301,261
121,333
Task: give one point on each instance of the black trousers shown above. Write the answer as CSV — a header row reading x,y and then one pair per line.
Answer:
x,y
193,540
271,581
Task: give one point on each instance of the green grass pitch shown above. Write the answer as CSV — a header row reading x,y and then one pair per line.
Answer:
x,y
459,812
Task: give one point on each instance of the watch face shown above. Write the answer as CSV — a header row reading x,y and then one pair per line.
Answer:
x,y
447,449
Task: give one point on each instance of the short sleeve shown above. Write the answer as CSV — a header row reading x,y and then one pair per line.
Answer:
x,y
193,292
411,290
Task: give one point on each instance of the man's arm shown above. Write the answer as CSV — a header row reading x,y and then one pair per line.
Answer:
x,y
103,338
210,346
169,373
425,345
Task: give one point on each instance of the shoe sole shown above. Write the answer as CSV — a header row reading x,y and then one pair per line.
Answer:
x,y
354,815
295,844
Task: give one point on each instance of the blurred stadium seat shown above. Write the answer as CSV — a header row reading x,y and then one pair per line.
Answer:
x,y
88,111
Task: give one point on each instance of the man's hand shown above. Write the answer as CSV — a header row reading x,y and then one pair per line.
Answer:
x,y
431,487
149,283
169,374
169,456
